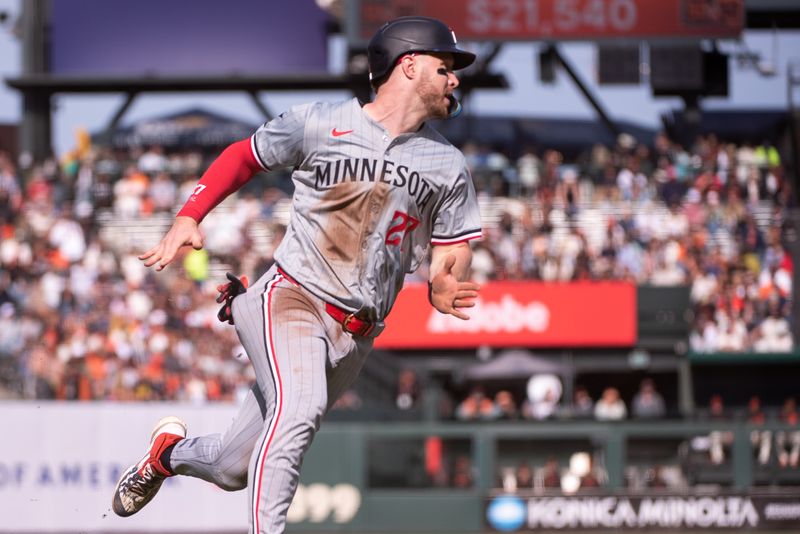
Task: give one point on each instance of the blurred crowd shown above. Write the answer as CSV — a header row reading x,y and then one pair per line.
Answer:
x,y
772,451
581,474
81,318
712,217
782,447
543,402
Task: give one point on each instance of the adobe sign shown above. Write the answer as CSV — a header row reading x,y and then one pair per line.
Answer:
x,y
518,314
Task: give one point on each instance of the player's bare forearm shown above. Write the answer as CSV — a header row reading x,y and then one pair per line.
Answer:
x,y
450,291
463,259
184,231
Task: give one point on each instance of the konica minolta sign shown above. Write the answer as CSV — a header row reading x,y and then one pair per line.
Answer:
x,y
511,513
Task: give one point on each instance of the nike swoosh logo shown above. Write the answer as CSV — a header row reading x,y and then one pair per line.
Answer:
x,y
338,133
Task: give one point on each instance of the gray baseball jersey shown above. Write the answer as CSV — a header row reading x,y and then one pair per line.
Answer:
x,y
365,210
366,207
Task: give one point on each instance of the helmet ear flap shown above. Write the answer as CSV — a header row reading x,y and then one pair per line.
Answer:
x,y
378,63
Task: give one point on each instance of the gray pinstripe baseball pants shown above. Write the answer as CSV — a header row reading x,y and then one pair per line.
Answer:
x,y
303,362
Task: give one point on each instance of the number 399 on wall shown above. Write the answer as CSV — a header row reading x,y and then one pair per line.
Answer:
x,y
319,502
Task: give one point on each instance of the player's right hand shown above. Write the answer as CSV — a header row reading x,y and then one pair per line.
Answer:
x,y
228,292
184,232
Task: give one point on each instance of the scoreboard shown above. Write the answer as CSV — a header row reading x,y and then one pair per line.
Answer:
x,y
528,20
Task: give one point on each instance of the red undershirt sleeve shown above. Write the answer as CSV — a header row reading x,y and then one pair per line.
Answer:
x,y
230,171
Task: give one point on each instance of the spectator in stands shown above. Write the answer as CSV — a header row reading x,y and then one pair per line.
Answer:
x,y
11,338
162,193
787,442
626,180
766,156
648,403
462,472
775,280
718,440
129,193
543,395
10,191
588,476
582,404
505,406
436,466
733,337
668,270
551,474
760,438
676,223
507,253
477,406
655,478
610,406
590,481
673,190
704,336
524,476
407,393
774,333
483,263
529,172
152,161
507,480
567,190
66,236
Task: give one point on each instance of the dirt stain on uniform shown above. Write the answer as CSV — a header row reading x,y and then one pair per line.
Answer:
x,y
303,317
297,312
351,209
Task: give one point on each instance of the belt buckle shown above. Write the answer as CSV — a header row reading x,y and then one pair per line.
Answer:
x,y
366,327
349,318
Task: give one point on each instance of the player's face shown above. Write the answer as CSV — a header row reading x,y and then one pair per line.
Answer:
x,y
437,83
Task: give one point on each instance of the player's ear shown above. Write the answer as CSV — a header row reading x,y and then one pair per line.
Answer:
x,y
409,66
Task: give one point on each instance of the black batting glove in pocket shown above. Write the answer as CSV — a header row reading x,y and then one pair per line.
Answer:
x,y
228,292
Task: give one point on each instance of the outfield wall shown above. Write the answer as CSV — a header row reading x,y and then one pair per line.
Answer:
x,y
59,463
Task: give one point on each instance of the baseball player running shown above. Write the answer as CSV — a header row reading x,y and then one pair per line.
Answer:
x,y
374,187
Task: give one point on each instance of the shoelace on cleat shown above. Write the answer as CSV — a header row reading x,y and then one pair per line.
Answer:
x,y
142,483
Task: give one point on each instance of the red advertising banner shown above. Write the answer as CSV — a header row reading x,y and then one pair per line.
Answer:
x,y
476,20
518,314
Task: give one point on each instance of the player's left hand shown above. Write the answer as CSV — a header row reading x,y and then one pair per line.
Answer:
x,y
449,295
228,292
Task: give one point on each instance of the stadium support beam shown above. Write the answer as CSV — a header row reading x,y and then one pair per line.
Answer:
x,y
686,405
37,89
582,87
792,84
121,111
772,14
793,246
119,114
36,127
486,60
265,112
